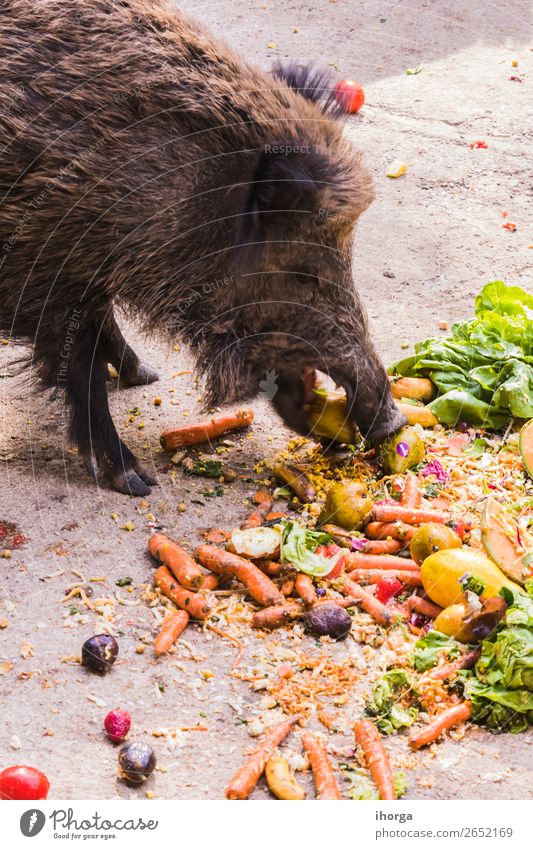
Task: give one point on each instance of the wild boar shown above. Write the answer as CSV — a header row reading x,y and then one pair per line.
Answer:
x,y
145,164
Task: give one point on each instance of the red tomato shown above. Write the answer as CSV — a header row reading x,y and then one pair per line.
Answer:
x,y
349,95
23,782
387,588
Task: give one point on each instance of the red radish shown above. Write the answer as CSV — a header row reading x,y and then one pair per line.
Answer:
x,y
388,588
117,724
23,782
349,95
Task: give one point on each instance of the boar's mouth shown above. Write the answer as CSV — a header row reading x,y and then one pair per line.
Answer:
x,y
376,419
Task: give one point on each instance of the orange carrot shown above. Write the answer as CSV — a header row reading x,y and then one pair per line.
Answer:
x,y
270,567
411,496
373,576
180,563
305,588
243,782
203,431
326,784
171,628
445,720
448,670
209,582
423,606
381,546
270,517
368,738
258,516
259,586
410,515
382,614
277,615
394,530
358,560
287,587
194,604
216,536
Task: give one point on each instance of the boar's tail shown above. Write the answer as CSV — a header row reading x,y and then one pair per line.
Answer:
x,y
313,83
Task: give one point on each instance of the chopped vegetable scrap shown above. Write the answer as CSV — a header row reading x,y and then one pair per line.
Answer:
x,y
409,566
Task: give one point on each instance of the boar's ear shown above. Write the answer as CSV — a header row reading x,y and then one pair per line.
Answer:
x,y
315,84
288,181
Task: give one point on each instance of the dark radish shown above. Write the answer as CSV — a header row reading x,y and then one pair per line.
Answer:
x,y
99,653
328,620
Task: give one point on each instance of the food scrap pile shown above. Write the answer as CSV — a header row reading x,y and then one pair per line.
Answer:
x,y
409,565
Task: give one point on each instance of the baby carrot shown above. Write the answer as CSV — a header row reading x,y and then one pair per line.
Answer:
x,y
194,604
305,588
373,576
259,586
423,606
258,516
368,738
326,784
243,782
381,546
382,614
180,563
411,495
394,530
448,670
410,515
277,615
358,560
447,719
171,628
202,431
209,582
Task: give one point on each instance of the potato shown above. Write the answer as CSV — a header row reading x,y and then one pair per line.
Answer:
x,y
256,542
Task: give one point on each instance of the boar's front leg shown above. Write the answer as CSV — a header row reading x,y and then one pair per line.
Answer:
x,y
91,425
115,349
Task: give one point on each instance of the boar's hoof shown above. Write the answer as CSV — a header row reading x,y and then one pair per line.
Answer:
x,y
135,480
140,376
130,482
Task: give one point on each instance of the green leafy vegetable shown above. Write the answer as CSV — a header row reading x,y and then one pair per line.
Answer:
x,y
384,706
298,547
501,686
429,648
362,788
484,370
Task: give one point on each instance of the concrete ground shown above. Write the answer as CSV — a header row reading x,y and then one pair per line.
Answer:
x,y
424,249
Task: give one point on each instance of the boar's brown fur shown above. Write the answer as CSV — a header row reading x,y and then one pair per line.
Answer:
x,y
144,163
